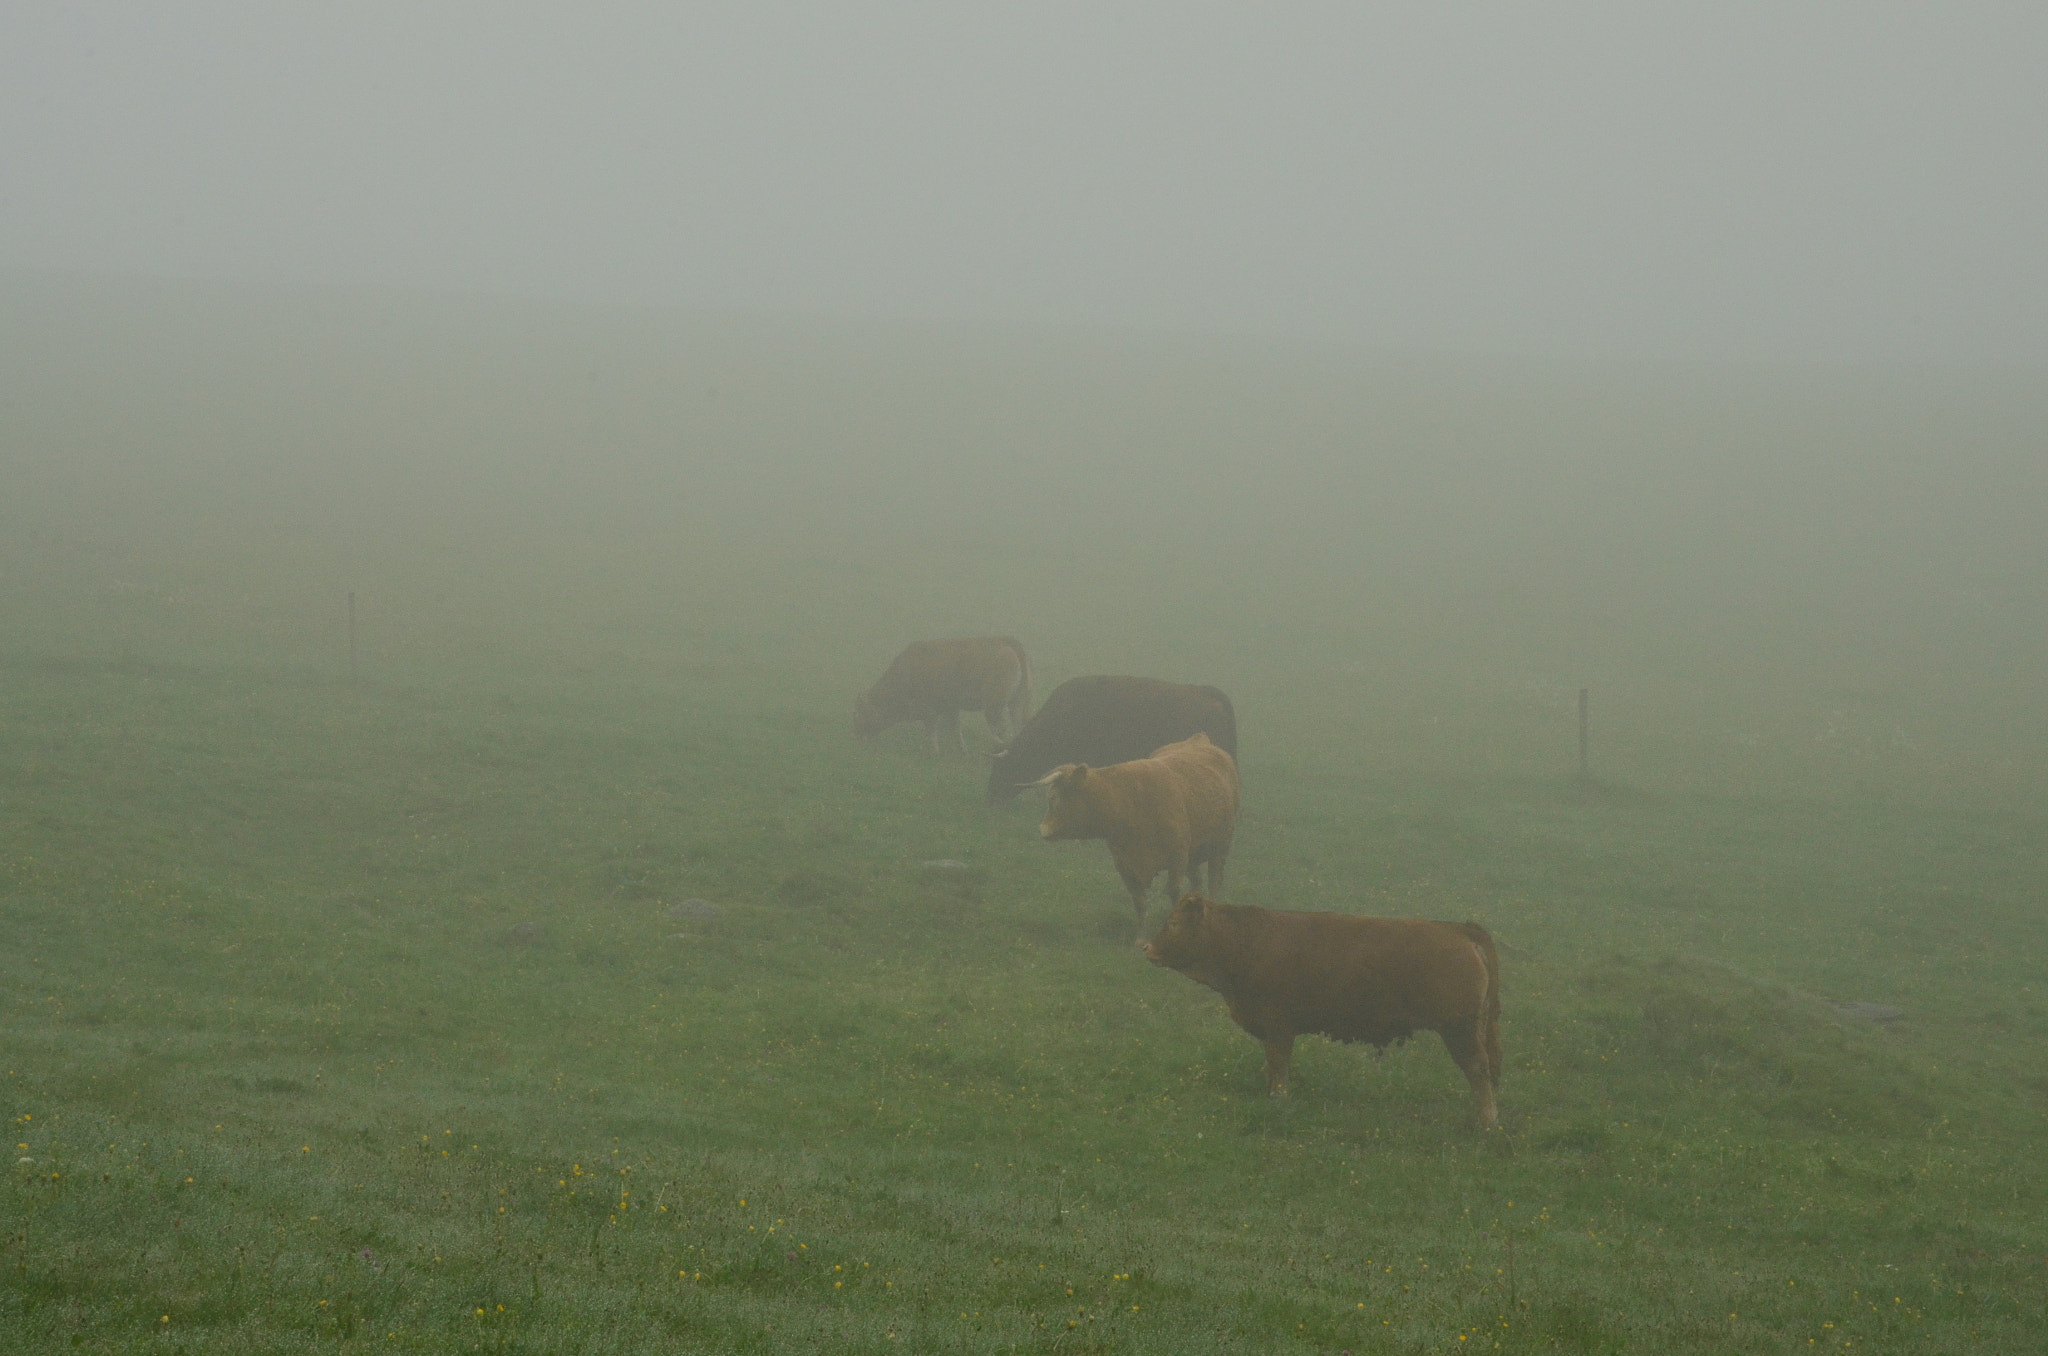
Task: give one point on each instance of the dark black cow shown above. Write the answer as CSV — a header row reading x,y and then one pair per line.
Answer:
x,y
1101,720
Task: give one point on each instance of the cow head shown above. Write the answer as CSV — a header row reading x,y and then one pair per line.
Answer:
x,y
869,719
1178,945
1069,809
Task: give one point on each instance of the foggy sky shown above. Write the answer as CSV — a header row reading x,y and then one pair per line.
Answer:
x,y
1747,181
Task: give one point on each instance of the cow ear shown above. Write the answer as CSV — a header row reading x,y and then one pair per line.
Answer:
x,y
1078,775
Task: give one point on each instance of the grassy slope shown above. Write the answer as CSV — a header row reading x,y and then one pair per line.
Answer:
x,y
350,1013
289,1067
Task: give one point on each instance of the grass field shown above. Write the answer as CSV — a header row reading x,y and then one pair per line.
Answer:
x,y
371,1012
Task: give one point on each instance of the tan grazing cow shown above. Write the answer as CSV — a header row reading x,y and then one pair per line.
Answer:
x,y
935,680
1377,980
1171,812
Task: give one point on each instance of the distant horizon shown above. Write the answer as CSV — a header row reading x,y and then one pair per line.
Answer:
x,y
198,284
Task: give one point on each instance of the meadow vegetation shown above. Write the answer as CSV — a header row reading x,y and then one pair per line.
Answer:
x,y
385,1010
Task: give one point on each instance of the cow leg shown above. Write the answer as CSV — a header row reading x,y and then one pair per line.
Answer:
x,y
950,722
1491,1045
1216,876
1138,889
1468,1048
996,691
931,733
1279,1058
1194,886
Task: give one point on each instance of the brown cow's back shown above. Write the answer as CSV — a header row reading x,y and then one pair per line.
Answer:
x,y
1192,779
1172,812
1376,980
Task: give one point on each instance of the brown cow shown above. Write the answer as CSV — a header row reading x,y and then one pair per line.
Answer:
x,y
1378,980
935,680
1170,812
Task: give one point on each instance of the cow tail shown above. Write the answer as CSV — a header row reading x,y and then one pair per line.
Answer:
x,y
1020,700
1225,738
1489,1022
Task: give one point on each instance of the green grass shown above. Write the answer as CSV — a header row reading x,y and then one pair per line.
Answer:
x,y
356,1014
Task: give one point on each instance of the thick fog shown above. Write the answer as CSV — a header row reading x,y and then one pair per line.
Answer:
x,y
1746,181
1463,357
1769,578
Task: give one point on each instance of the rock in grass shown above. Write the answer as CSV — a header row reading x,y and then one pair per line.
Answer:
x,y
526,934
942,865
694,908
1871,1012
